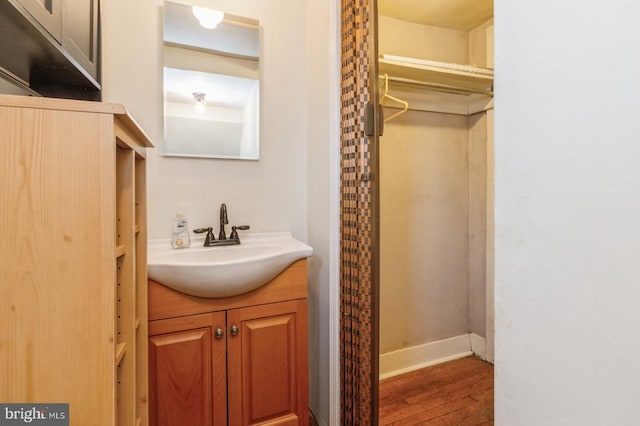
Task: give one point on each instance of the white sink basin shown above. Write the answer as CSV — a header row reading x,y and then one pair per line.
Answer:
x,y
224,271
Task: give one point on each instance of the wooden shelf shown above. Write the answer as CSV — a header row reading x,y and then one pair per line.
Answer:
x,y
441,76
121,349
121,250
136,229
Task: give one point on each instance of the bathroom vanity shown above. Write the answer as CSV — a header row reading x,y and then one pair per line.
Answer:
x,y
236,360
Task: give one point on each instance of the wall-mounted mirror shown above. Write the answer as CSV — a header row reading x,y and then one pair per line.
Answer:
x,y
211,84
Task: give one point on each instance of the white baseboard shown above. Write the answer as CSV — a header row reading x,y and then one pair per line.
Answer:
x,y
416,357
478,346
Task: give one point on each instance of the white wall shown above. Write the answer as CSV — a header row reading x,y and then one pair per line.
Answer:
x,y
288,189
270,194
132,60
323,143
567,181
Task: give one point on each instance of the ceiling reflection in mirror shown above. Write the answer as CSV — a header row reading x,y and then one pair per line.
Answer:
x,y
211,86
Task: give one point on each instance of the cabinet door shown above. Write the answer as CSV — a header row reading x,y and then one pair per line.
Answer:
x,y
47,13
80,33
187,373
267,364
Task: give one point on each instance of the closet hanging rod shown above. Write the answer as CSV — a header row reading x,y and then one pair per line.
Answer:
x,y
439,87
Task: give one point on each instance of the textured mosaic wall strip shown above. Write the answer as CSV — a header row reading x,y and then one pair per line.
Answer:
x,y
358,313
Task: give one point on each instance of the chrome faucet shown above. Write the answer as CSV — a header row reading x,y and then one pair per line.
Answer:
x,y
223,221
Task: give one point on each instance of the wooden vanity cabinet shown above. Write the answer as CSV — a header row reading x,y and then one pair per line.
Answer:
x,y
244,362
187,371
262,365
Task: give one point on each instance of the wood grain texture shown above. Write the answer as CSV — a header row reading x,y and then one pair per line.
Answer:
x,y
458,392
58,314
267,365
187,371
142,356
126,284
56,295
61,104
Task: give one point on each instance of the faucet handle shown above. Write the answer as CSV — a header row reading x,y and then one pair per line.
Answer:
x,y
234,231
209,238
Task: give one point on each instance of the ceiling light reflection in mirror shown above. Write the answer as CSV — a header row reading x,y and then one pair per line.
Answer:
x,y
211,86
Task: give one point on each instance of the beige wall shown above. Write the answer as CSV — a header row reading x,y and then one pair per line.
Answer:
x,y
477,229
402,38
132,60
481,45
424,221
433,201
433,228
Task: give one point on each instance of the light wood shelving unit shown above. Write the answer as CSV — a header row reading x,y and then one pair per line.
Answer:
x,y
73,295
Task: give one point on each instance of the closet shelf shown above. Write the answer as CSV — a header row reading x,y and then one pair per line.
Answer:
x,y
440,76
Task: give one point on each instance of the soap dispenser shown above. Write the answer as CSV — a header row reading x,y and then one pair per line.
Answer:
x,y
180,237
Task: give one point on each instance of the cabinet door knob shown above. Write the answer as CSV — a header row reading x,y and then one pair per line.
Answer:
x,y
219,333
234,330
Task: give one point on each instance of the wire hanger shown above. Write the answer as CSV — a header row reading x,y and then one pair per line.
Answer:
x,y
386,95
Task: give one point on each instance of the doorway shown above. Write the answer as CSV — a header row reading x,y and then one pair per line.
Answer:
x,y
435,78
430,218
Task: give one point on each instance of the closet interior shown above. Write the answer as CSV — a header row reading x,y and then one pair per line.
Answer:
x,y
435,68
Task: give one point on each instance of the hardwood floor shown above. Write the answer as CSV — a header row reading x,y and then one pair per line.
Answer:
x,y
458,392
